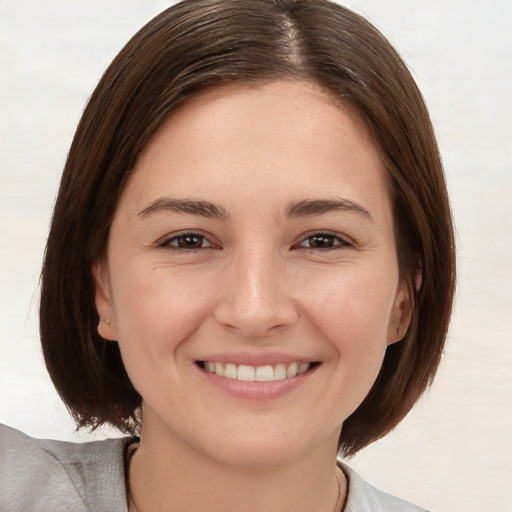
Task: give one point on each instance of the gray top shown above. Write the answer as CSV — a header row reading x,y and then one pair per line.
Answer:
x,y
56,476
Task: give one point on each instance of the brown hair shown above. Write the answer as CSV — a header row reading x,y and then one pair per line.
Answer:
x,y
199,43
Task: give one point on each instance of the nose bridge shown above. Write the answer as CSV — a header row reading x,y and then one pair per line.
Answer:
x,y
258,282
257,298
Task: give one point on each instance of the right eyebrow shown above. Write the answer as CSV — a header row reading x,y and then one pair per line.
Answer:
x,y
188,206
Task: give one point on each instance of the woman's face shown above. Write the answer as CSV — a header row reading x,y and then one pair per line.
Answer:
x,y
251,277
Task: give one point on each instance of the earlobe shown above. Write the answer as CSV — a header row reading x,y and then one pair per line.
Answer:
x,y
103,301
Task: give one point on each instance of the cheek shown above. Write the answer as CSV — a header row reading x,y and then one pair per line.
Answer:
x,y
159,307
352,314
353,302
156,310
348,314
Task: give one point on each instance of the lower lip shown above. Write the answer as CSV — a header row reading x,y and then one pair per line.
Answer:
x,y
256,390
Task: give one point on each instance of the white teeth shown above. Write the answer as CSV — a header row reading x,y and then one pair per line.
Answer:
x,y
245,373
291,371
280,371
231,371
219,369
302,368
266,373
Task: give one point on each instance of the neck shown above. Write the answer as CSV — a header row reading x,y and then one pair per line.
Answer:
x,y
167,474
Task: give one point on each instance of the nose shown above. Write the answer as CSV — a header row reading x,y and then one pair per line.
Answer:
x,y
256,299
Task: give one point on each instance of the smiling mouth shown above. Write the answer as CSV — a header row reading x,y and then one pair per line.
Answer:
x,y
247,373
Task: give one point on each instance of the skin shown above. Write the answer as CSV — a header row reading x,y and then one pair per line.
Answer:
x,y
258,281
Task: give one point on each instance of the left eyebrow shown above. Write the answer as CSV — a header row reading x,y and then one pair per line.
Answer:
x,y
309,207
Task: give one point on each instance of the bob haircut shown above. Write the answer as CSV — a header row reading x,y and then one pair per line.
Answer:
x,y
198,44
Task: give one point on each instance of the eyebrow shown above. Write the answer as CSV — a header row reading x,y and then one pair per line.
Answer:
x,y
190,206
304,208
311,207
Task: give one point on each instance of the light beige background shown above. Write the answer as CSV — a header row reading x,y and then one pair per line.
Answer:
x,y
453,453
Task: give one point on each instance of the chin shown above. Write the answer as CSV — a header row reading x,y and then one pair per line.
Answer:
x,y
268,447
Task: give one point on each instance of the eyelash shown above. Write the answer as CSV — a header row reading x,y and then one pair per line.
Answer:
x,y
337,241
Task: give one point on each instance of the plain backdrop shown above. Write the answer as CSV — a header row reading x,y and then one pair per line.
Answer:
x,y
453,452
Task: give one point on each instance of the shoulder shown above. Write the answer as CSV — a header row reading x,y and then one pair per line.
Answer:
x,y
45,475
363,497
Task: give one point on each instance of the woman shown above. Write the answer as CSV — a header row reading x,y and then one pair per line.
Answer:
x,y
250,267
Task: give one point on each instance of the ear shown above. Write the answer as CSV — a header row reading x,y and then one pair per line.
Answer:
x,y
401,316
107,326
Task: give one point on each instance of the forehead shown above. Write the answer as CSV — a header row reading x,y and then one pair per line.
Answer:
x,y
288,133
238,104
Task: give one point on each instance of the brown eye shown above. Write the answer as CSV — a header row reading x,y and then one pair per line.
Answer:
x,y
324,241
187,241
321,241
190,242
